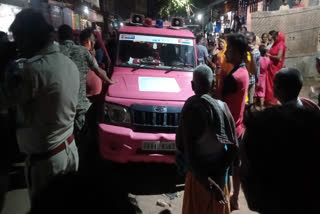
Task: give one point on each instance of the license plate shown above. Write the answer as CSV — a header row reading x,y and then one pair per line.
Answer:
x,y
158,146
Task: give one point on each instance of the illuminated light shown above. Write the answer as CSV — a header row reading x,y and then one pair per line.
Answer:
x,y
7,14
199,17
121,24
86,10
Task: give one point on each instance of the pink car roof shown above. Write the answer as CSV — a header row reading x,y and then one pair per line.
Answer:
x,y
157,31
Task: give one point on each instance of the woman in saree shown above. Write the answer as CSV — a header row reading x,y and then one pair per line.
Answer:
x,y
223,68
264,40
277,55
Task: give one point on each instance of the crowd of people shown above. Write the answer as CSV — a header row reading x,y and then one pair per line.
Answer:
x,y
245,121
251,79
264,57
285,5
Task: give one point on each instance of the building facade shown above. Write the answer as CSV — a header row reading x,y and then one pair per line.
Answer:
x,y
302,30
79,14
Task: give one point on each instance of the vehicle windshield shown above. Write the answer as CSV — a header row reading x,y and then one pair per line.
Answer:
x,y
141,51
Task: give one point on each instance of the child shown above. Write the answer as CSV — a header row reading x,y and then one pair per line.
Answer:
x,y
261,84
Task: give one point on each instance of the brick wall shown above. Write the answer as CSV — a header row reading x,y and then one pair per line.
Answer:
x,y
260,8
302,29
313,2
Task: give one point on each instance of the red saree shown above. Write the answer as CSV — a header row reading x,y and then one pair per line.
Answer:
x,y
275,66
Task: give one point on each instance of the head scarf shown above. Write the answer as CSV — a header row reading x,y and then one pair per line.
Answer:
x,y
280,43
281,39
225,66
222,52
275,66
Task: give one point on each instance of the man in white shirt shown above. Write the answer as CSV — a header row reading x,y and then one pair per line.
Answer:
x,y
284,5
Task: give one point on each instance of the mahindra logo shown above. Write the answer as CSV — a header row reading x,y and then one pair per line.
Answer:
x,y
160,109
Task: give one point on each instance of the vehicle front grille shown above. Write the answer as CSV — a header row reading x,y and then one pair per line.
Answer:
x,y
155,118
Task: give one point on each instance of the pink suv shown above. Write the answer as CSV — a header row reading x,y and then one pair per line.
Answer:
x,y
153,70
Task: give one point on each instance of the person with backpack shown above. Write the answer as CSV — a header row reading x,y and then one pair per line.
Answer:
x,y
207,144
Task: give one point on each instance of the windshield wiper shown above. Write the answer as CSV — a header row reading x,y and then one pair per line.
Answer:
x,y
136,67
176,67
170,69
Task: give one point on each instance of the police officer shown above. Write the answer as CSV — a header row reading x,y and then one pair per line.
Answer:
x,y
44,87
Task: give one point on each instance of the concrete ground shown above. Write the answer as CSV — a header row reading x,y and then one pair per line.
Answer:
x,y
307,84
154,186
148,204
17,202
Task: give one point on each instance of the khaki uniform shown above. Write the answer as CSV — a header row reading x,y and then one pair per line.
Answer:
x,y
45,90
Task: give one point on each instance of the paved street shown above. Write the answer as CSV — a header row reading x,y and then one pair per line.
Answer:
x,y
152,196
17,202
148,204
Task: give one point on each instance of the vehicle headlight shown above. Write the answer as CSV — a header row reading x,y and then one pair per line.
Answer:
x,y
116,114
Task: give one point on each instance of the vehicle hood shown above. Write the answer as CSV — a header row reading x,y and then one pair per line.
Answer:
x,y
149,84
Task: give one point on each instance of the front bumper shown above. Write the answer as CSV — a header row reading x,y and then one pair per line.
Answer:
x,y
122,145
